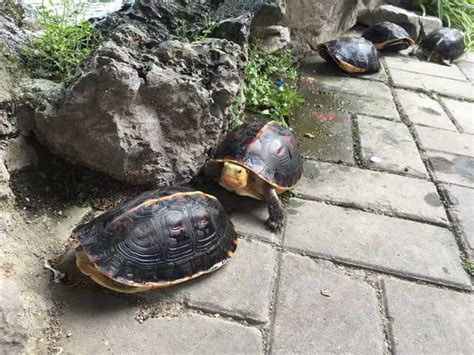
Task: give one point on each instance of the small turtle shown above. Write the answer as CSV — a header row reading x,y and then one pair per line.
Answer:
x,y
444,45
158,239
352,54
387,36
260,160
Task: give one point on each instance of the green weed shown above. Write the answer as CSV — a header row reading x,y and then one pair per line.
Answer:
x,y
66,41
235,119
457,14
270,84
468,266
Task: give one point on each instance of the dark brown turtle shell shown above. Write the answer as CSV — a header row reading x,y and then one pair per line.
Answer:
x,y
267,149
160,238
353,55
443,45
388,36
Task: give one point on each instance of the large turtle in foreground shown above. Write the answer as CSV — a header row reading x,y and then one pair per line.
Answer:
x,y
158,239
444,45
353,55
260,160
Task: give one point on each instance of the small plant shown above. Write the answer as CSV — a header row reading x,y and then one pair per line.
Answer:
x,y
235,120
66,41
270,84
468,266
207,29
457,14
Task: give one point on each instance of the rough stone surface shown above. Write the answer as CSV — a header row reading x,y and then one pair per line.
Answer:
x,y
382,243
422,67
416,25
322,131
414,198
354,96
463,113
455,169
446,141
19,155
247,278
318,21
423,110
178,332
429,320
424,82
271,38
392,144
126,119
309,322
462,201
13,328
5,191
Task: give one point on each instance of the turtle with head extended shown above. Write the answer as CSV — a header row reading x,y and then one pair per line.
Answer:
x,y
158,239
387,36
353,55
444,45
260,160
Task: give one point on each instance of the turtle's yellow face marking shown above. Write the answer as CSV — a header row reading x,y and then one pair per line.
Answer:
x,y
233,176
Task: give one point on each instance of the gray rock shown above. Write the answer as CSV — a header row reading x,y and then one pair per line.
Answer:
x,y
272,38
317,21
19,155
150,120
13,329
417,26
270,13
5,191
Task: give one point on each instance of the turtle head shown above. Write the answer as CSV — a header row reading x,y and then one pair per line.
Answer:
x,y
233,176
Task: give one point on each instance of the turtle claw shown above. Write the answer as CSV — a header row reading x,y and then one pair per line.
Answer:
x,y
274,226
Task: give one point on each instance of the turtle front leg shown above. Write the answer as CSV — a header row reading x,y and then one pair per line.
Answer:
x,y
275,210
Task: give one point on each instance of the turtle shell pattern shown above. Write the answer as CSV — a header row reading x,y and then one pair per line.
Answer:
x,y
445,44
160,237
388,36
267,149
360,54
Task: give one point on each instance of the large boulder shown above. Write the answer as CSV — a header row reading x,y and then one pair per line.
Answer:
x,y
155,120
416,25
146,108
315,21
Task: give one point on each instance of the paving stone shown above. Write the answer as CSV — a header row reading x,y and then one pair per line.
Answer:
x,y
432,69
429,320
455,169
462,200
463,113
371,190
378,242
351,95
100,324
423,110
248,278
320,69
468,69
446,141
392,144
423,82
323,132
346,320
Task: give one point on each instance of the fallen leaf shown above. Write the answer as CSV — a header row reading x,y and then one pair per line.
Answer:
x,y
309,135
324,117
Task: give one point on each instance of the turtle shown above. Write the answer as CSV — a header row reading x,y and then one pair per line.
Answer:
x,y
387,36
353,55
260,160
158,239
444,45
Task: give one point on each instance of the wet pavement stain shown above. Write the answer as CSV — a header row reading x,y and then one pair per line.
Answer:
x,y
433,199
430,111
462,166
